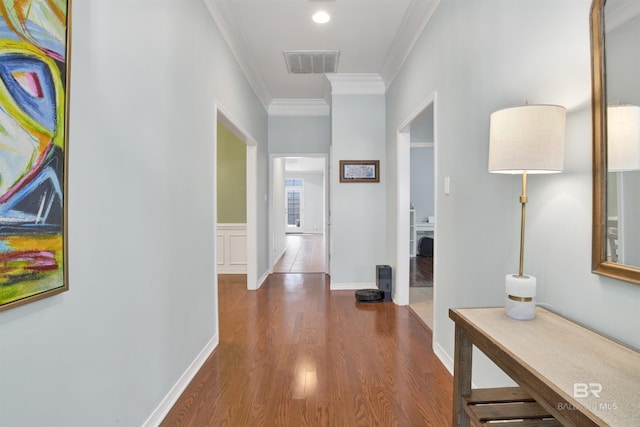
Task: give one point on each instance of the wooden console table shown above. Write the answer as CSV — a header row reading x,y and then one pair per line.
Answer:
x,y
567,374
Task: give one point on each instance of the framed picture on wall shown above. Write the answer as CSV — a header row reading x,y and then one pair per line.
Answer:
x,y
34,80
359,170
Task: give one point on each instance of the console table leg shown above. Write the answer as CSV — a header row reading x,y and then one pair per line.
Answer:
x,y
461,377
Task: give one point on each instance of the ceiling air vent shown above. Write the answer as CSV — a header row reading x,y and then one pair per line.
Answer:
x,y
311,61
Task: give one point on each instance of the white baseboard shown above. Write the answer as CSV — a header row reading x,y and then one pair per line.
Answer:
x,y
351,286
262,279
176,391
277,258
444,357
396,299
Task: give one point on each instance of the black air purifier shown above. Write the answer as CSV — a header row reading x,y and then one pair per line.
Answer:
x,y
383,280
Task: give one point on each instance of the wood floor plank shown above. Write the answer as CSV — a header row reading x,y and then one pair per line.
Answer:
x,y
421,271
304,253
294,353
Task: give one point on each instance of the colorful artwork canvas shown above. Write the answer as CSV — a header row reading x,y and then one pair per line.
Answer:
x,y
34,63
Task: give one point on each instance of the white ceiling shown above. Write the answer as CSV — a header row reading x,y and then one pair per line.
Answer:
x,y
373,36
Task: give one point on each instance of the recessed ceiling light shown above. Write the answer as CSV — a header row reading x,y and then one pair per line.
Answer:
x,y
321,17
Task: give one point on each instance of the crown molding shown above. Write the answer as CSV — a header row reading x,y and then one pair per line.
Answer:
x,y
298,107
356,84
415,20
239,49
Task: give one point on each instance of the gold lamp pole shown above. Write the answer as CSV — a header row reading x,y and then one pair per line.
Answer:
x,y
525,140
523,201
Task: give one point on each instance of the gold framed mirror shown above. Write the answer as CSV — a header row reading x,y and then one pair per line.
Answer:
x,y
615,83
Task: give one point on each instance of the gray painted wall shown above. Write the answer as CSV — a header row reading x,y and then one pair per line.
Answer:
x,y
423,131
142,299
294,134
479,57
357,209
422,182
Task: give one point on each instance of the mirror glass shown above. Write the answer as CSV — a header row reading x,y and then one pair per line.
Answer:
x,y
622,56
616,116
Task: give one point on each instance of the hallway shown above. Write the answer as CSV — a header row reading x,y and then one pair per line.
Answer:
x,y
294,353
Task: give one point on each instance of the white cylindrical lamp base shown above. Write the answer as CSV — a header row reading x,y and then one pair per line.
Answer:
x,y
520,301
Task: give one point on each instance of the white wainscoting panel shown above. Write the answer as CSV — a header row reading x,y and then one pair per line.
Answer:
x,y
231,248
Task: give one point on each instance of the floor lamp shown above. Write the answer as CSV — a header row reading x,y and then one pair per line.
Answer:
x,y
525,140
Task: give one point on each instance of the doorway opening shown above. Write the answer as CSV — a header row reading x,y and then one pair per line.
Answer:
x,y
416,251
236,214
299,213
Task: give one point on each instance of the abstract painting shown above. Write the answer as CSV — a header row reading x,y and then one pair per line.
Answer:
x,y
34,64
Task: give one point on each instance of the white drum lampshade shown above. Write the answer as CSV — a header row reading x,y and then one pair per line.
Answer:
x,y
525,140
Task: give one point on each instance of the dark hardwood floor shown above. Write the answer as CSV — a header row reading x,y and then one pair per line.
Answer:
x,y
295,354
421,271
